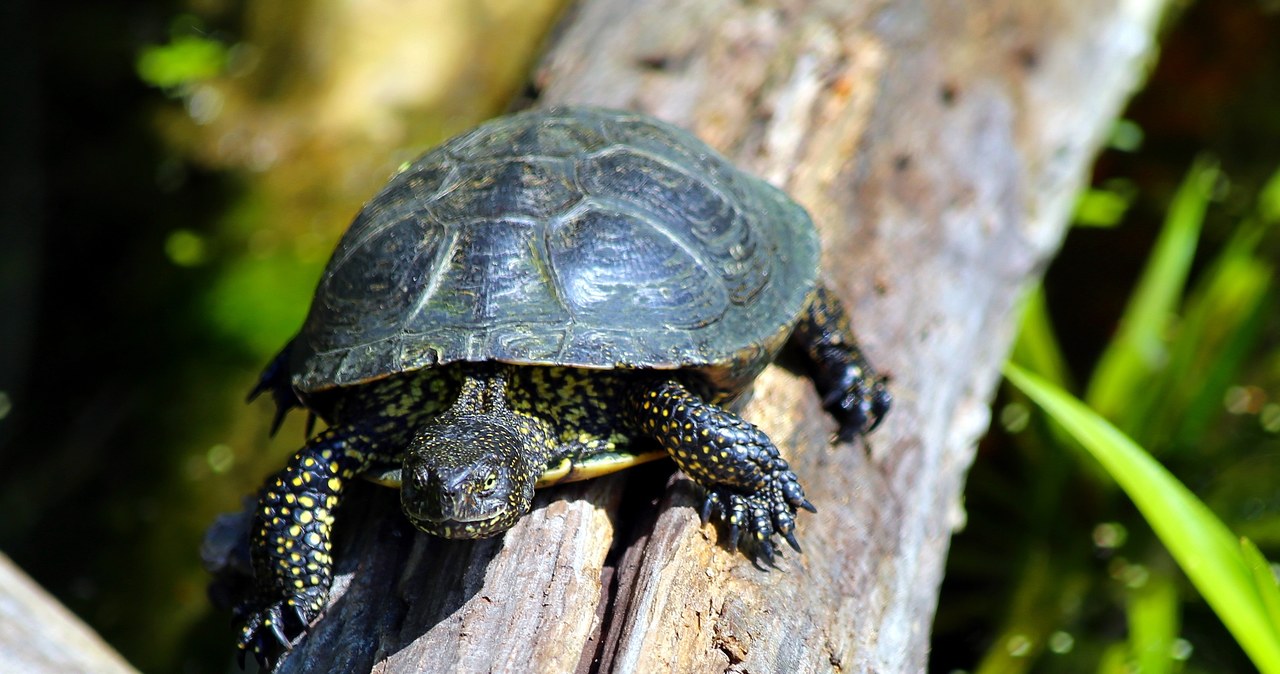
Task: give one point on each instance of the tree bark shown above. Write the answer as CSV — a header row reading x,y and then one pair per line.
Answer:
x,y
939,146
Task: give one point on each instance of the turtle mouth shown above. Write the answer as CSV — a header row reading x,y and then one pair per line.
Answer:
x,y
464,527
455,511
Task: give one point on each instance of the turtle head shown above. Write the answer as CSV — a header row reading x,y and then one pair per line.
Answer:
x,y
468,477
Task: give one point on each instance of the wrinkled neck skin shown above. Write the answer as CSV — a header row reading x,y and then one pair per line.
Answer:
x,y
471,473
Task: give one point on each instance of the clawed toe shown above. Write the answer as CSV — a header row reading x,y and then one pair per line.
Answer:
x,y
858,406
790,537
254,638
760,516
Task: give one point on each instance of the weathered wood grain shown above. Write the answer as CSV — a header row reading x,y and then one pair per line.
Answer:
x,y
38,635
939,146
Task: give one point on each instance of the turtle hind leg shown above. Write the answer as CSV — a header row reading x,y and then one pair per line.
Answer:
x,y
275,380
747,483
851,390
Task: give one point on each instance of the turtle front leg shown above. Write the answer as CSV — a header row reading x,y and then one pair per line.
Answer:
x,y
851,390
290,541
747,482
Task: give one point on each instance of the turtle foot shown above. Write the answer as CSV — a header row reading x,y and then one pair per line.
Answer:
x,y
754,519
269,632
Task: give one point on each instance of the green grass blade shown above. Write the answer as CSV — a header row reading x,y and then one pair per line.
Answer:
x,y
1269,200
1219,334
1037,347
1138,348
1115,660
1153,624
1101,208
1221,320
1265,577
1204,548
1014,649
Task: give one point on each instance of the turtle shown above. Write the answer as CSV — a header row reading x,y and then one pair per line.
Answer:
x,y
553,295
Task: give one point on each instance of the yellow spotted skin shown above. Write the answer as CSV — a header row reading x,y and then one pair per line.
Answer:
x,y
747,483
471,440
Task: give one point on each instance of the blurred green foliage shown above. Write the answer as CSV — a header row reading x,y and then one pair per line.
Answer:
x,y
1103,207
184,60
1156,328
1223,568
1162,379
262,322
1166,381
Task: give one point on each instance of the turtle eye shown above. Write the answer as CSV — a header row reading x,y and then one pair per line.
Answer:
x,y
490,481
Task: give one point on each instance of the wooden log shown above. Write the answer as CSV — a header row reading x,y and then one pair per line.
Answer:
x,y
38,635
939,147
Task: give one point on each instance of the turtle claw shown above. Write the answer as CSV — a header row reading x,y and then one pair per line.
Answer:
x,y
735,535
790,538
270,620
300,614
757,518
712,502
766,551
275,380
278,632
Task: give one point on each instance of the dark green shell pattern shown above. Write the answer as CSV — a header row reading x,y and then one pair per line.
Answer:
x,y
575,237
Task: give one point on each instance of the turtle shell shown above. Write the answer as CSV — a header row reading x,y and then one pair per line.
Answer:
x,y
567,236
